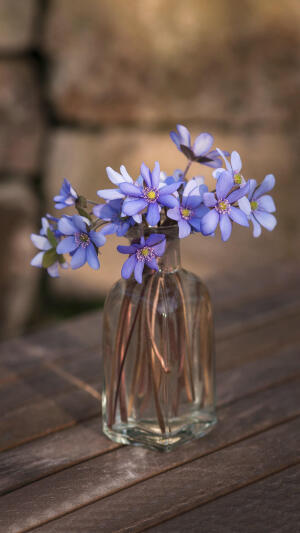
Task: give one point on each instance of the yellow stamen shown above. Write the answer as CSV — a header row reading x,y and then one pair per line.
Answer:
x,y
185,212
238,179
145,252
151,195
254,205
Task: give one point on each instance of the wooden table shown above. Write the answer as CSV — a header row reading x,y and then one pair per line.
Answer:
x,y
58,473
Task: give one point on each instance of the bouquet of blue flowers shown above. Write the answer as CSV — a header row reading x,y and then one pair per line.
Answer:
x,y
155,200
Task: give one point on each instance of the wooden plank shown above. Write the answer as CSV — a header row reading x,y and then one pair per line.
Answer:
x,y
98,478
261,341
57,451
268,506
181,489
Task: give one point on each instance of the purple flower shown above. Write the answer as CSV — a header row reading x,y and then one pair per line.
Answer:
x,y
111,212
144,253
47,256
67,196
151,195
222,209
115,194
200,151
81,243
259,206
176,177
234,167
190,212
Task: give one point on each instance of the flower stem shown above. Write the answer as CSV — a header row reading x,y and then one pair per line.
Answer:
x,y
187,169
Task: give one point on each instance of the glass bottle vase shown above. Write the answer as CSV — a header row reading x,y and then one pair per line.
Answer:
x,y
158,356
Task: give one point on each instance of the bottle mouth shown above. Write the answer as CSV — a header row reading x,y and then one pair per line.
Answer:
x,y
136,232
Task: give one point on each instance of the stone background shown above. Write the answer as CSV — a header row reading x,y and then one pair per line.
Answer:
x,y
84,84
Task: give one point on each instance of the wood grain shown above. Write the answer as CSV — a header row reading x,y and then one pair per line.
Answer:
x,y
78,443
100,477
268,506
181,489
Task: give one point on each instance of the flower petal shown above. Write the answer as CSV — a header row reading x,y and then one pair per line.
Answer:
x,y
109,229
66,245
203,143
192,202
266,203
133,207
155,175
238,193
153,214
195,222
97,237
155,238
104,211
41,242
145,173
115,177
160,248
223,155
244,205
125,174
224,184
174,213
37,261
168,200
238,216
236,162
210,222
169,189
184,135
138,271
184,229
79,223
92,257
209,199
53,270
256,226
266,186
225,227
79,258
267,220
175,138
110,194
127,249
130,190
151,263
252,187
128,267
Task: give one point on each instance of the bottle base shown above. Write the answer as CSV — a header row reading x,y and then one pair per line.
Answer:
x,y
148,435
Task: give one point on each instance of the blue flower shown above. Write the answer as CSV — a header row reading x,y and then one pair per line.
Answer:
x,y
176,177
47,254
259,206
234,167
141,254
190,212
151,195
80,242
111,212
115,194
67,196
222,209
200,151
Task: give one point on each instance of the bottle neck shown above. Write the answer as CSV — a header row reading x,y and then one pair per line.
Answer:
x,y
170,261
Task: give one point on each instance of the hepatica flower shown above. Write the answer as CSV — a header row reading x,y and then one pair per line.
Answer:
x,y
66,197
234,167
222,209
111,213
201,149
47,257
141,254
150,195
260,206
190,212
80,242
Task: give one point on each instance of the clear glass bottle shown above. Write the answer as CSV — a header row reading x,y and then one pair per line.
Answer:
x,y
158,356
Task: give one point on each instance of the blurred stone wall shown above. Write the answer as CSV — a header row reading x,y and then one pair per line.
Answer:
x,y
84,84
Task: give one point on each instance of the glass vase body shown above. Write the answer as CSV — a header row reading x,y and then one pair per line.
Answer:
x,y
158,356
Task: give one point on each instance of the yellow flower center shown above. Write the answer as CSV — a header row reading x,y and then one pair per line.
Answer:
x,y
185,212
223,206
238,179
254,205
145,252
151,195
